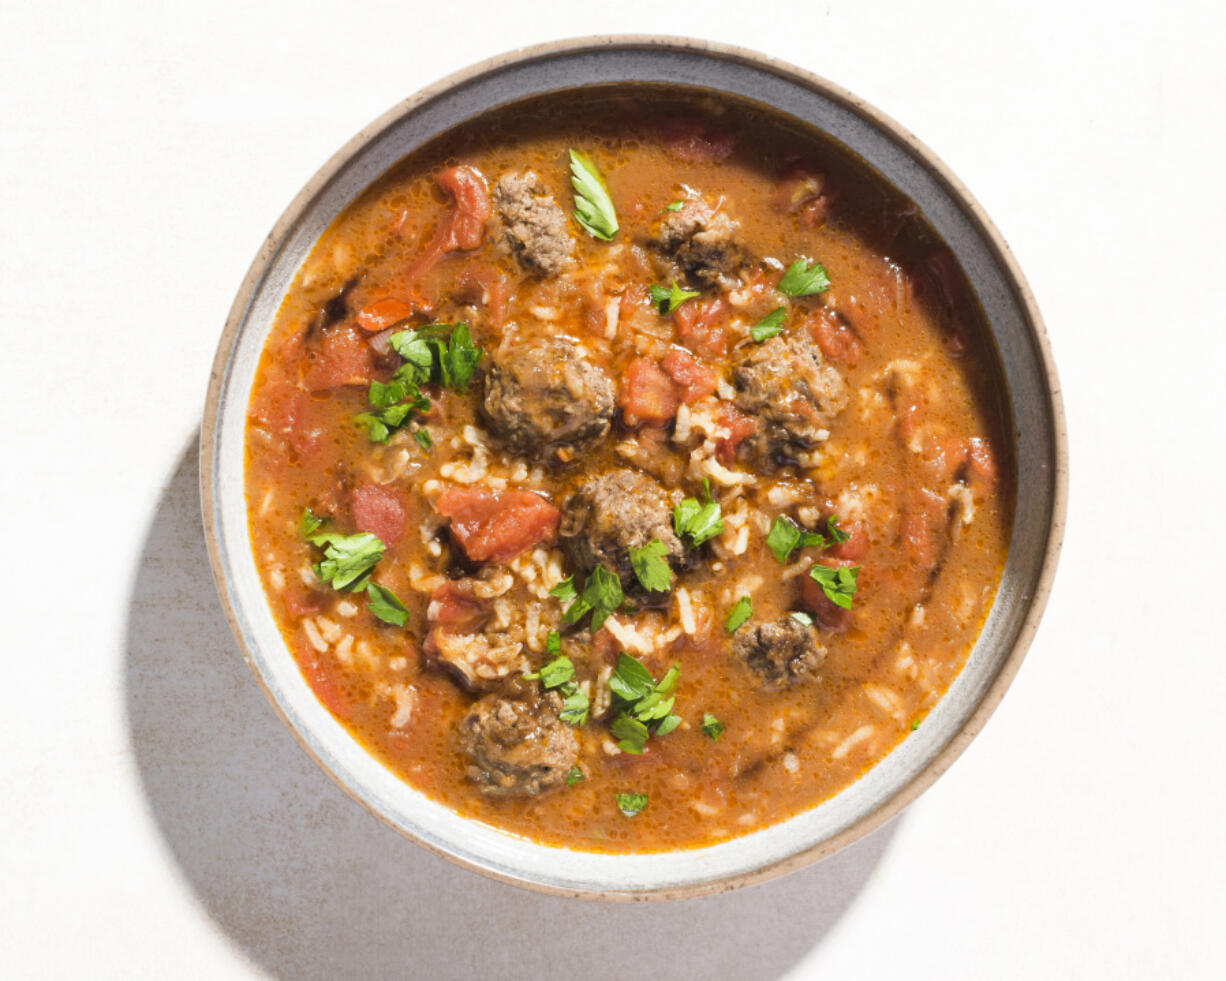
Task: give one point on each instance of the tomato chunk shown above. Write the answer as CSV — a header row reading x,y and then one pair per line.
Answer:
x,y
922,528
739,427
465,226
694,378
380,511
700,326
285,410
498,525
453,607
342,357
696,140
382,314
648,394
836,339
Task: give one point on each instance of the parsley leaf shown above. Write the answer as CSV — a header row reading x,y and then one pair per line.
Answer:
x,y
424,440
348,559
557,672
770,325
666,301
602,594
565,590
839,584
593,206
674,206
631,804
630,733
574,705
915,724
698,522
553,643
740,613
712,727
386,605
651,567
804,279
668,725
837,535
785,535
630,679
575,776
309,523
800,616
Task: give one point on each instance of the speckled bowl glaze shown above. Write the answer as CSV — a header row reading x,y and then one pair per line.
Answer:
x,y
1028,374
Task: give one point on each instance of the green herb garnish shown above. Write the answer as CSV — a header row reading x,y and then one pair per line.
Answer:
x,y
839,584
631,804
712,726
697,522
602,594
565,590
804,279
651,567
667,300
740,613
800,616
423,438
785,536
837,535
674,206
643,707
348,559
915,723
386,605
770,325
593,206
574,776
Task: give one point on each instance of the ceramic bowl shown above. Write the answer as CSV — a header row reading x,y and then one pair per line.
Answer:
x,y
1028,374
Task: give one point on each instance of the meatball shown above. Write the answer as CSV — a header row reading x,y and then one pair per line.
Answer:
x,y
516,744
534,227
789,388
700,240
546,400
780,653
613,512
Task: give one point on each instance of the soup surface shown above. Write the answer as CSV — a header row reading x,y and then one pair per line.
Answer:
x,y
626,471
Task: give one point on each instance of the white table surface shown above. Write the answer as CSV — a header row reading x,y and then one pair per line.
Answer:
x,y
155,819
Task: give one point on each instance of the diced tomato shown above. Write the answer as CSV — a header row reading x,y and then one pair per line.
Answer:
x,y
828,615
453,607
856,546
967,458
324,681
498,525
696,140
465,226
382,314
286,411
694,378
700,326
482,284
804,193
922,528
341,357
648,394
738,426
835,337
302,601
380,511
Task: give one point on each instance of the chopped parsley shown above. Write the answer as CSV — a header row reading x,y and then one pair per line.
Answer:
x,y
560,674
553,643
565,590
712,727
666,301
651,566
424,440
386,605
800,616
642,706
915,724
441,354
674,206
697,522
593,207
839,584
804,279
575,776
631,804
785,536
836,534
739,614
770,325
602,594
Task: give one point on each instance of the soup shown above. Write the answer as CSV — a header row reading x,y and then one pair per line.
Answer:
x,y
628,471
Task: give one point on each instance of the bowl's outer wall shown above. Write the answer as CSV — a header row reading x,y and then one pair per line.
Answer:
x,y
1033,398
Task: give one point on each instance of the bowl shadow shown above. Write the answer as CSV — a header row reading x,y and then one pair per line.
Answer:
x,y
309,885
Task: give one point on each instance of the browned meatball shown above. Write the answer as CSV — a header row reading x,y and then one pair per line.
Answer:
x,y
791,390
534,227
547,401
780,653
701,241
517,745
610,514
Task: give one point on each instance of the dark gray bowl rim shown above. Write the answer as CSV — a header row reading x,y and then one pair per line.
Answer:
x,y
1054,440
